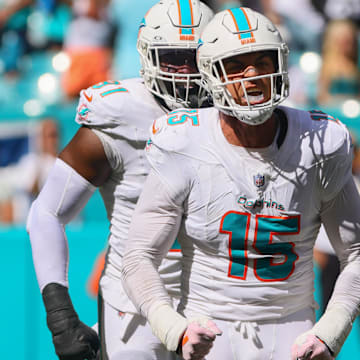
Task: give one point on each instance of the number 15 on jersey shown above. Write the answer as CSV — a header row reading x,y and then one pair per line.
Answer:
x,y
237,224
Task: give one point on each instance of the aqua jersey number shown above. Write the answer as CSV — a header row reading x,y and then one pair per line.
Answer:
x,y
277,262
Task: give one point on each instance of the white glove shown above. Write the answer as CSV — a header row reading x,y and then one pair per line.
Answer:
x,y
198,338
309,347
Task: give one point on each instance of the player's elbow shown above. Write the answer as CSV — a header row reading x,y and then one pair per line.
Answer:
x,y
130,272
40,217
34,217
129,266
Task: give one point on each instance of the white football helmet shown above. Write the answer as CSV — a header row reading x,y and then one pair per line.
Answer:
x,y
234,32
169,33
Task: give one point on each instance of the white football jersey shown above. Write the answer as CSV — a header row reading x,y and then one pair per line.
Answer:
x,y
121,113
251,216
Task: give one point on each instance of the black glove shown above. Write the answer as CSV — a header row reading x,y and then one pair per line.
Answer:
x,y
73,340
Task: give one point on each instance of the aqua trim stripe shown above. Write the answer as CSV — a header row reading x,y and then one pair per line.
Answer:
x,y
186,111
186,19
105,93
241,22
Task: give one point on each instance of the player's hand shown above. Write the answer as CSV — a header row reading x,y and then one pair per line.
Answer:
x,y
309,347
198,339
73,340
77,343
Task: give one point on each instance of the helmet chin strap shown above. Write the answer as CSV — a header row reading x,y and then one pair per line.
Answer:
x,y
253,117
249,117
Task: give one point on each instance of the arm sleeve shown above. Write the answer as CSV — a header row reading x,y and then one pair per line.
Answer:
x,y
63,196
154,226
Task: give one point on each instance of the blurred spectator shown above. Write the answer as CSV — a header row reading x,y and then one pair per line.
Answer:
x,y
22,181
13,31
88,42
257,5
218,5
339,73
228,4
299,90
292,16
335,9
48,24
9,8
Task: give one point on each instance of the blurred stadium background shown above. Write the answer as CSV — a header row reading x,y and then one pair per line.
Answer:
x,y
38,40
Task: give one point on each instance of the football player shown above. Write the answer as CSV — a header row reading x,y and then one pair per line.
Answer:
x,y
107,152
246,185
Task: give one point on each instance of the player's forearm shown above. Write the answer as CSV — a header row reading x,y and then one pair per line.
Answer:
x,y
153,229
142,281
64,194
347,288
49,247
145,288
150,237
336,323
343,308
341,219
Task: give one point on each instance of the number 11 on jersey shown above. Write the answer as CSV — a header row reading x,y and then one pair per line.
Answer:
x,y
237,224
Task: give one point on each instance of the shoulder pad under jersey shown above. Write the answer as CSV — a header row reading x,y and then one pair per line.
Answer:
x,y
318,132
123,108
180,130
332,134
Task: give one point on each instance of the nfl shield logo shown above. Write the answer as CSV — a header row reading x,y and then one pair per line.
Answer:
x,y
259,180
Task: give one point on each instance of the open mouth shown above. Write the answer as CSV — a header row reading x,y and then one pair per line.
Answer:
x,y
255,96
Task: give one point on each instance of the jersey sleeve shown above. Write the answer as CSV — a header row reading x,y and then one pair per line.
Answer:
x,y
98,102
335,169
123,109
100,108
